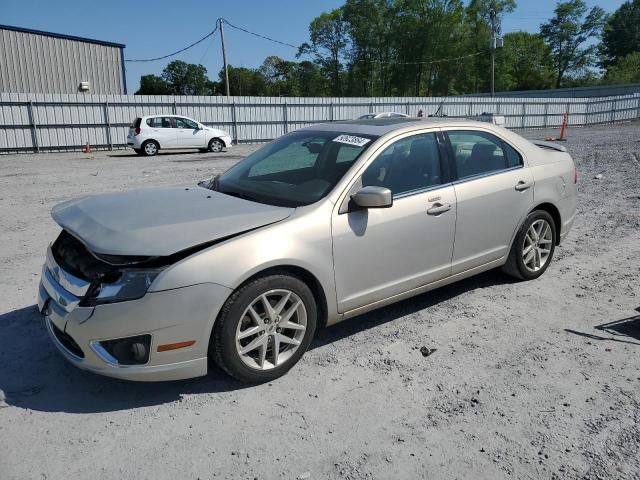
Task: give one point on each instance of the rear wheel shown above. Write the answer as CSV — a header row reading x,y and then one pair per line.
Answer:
x,y
264,328
150,148
533,247
215,145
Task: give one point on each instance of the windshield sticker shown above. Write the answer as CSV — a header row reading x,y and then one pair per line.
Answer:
x,y
351,140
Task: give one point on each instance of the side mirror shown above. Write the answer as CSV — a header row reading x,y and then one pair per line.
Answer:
x,y
200,127
373,197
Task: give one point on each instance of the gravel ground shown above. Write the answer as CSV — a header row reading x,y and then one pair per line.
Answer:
x,y
533,379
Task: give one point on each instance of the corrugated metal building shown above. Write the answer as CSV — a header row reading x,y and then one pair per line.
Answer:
x,y
32,61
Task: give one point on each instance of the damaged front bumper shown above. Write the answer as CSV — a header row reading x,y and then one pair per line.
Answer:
x,y
167,317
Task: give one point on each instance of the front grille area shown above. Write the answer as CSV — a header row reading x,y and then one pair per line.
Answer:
x,y
67,341
73,257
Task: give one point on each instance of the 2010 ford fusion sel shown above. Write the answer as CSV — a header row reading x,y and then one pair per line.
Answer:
x,y
320,225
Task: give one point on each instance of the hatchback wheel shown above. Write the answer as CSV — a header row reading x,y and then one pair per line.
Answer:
x,y
264,328
533,247
215,145
150,148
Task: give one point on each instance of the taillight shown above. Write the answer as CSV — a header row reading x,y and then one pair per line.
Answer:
x,y
137,131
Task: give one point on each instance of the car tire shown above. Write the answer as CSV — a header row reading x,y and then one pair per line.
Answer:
x,y
138,151
243,342
533,247
216,145
150,148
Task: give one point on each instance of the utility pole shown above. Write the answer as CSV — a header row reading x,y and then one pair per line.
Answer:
x,y
224,56
493,52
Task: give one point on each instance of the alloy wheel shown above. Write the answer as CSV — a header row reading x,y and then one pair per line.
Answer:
x,y
537,245
271,329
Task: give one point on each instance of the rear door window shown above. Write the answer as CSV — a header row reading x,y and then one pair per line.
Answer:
x,y
479,153
168,122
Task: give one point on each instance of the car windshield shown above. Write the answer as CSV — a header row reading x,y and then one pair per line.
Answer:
x,y
297,169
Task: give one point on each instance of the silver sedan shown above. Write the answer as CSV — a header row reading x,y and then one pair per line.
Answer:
x,y
320,225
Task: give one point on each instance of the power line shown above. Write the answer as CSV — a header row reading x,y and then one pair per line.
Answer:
x,y
176,52
293,46
441,60
259,35
209,35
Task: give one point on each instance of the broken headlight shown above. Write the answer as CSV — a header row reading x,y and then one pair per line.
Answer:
x,y
129,285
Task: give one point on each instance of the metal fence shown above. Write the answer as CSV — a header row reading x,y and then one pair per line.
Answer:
x,y
581,92
50,122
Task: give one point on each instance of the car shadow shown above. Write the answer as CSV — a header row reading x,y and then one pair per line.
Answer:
x,y
171,153
35,376
407,307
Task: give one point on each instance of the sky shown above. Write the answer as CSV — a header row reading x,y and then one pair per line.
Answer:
x,y
152,29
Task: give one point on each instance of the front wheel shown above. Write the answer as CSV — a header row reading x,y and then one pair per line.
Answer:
x,y
264,328
533,247
216,145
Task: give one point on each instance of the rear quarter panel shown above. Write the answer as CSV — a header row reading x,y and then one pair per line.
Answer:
x,y
553,174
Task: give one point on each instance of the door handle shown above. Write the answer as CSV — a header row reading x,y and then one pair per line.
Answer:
x,y
439,208
521,186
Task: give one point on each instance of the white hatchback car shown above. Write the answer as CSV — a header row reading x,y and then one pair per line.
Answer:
x,y
147,135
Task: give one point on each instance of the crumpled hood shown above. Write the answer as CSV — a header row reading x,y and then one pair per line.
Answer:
x,y
160,221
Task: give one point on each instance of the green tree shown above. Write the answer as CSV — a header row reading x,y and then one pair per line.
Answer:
x,y
425,33
621,33
186,78
153,85
625,70
310,80
524,63
303,79
279,75
567,32
478,28
245,81
214,88
369,28
328,35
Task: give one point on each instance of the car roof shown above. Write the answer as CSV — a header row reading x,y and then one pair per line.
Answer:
x,y
382,126
165,115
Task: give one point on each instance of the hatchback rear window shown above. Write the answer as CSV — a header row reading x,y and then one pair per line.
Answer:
x,y
136,123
